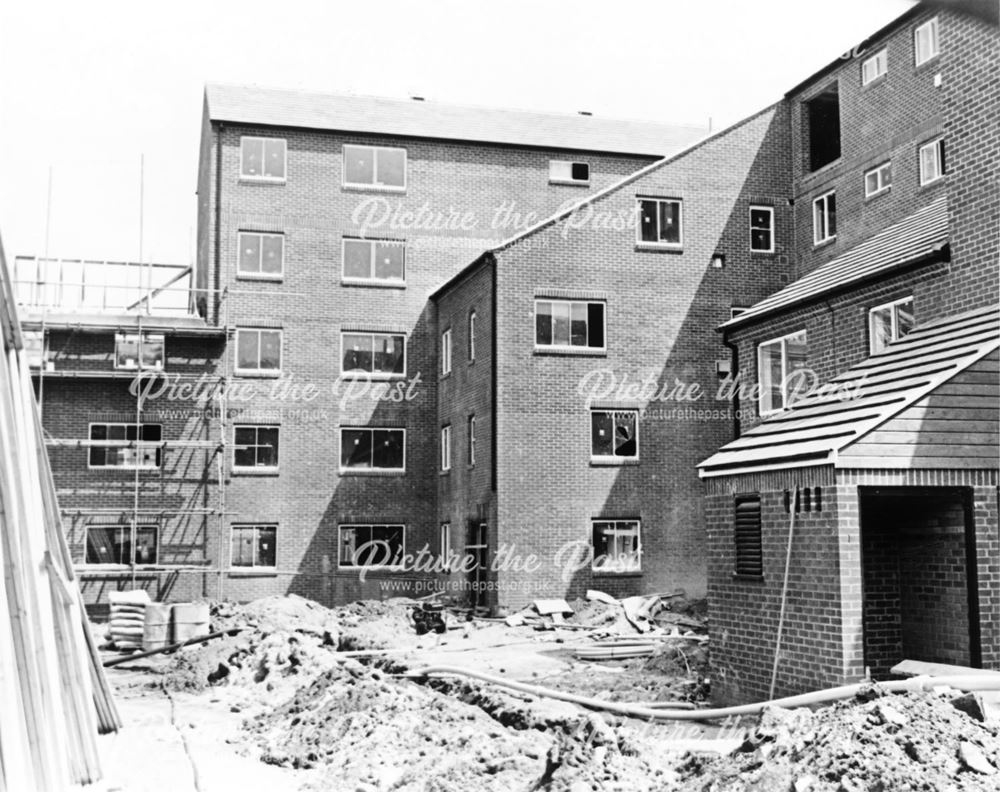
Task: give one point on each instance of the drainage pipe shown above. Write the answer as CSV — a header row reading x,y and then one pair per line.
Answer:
x,y
916,684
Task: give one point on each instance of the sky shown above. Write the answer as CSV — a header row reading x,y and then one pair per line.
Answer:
x,y
101,101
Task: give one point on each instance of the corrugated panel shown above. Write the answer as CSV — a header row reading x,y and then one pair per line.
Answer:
x,y
866,396
916,237
408,118
746,534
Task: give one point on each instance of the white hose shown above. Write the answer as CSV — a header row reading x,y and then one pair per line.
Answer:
x,y
986,681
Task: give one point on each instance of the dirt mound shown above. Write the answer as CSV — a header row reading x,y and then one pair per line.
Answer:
x,y
374,624
873,742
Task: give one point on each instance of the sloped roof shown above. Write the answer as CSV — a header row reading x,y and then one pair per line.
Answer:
x,y
923,234
248,104
851,405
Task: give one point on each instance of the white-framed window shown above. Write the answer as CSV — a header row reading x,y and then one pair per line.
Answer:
x,y
263,159
371,546
472,440
660,222
614,436
778,362
569,324
444,543
375,167
889,322
617,546
258,351
379,261
931,161
255,447
874,67
446,447
125,445
925,41
825,218
375,355
762,229
878,179
254,546
472,336
364,448
446,352
568,172
112,545
133,352
261,255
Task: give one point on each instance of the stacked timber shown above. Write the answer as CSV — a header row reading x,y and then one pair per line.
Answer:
x,y
54,698
128,618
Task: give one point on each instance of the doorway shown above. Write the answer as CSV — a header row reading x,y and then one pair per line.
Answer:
x,y
477,547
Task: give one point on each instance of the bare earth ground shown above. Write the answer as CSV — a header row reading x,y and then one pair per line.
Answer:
x,y
279,707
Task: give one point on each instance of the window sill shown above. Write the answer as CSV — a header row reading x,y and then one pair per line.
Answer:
x,y
879,194
249,276
444,472
377,188
742,576
446,375
571,351
363,376
369,569
652,247
270,180
763,253
569,183
384,472
931,61
373,283
253,572
824,243
612,573
248,471
880,80
933,183
613,462
256,374
124,468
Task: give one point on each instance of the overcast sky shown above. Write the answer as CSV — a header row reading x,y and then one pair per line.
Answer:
x,y
89,88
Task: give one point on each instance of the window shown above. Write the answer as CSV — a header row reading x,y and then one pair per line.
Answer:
x,y
472,441
373,354
374,261
371,545
255,447
375,166
472,336
660,222
112,544
446,447
614,436
825,218
262,158
746,536
372,449
925,41
874,67
261,255
444,546
822,117
564,172
133,351
125,446
762,229
889,322
34,347
258,351
254,546
878,179
446,352
616,546
569,323
777,364
932,161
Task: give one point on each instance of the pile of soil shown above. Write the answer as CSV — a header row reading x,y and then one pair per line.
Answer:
x,y
876,741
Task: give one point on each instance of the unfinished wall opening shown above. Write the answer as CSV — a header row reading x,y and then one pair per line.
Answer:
x,y
821,117
920,599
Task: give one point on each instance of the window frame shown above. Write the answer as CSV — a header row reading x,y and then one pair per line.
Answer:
x,y
656,245
373,375
471,442
155,527
472,336
758,208
602,570
877,171
824,198
893,321
143,338
374,186
782,340
570,181
444,544
937,144
237,468
253,567
372,470
934,39
570,348
445,456
371,280
612,460
370,526
260,274
446,352
259,372
157,444
882,56
249,177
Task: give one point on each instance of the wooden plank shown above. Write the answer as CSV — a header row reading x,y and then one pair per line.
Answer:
x,y
953,425
960,436
871,461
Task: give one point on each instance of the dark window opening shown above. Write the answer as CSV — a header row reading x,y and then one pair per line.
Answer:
x,y
747,535
823,122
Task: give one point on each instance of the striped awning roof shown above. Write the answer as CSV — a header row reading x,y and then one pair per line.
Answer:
x,y
851,405
919,236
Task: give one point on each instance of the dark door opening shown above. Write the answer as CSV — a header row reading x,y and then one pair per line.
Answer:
x,y
919,583
476,546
